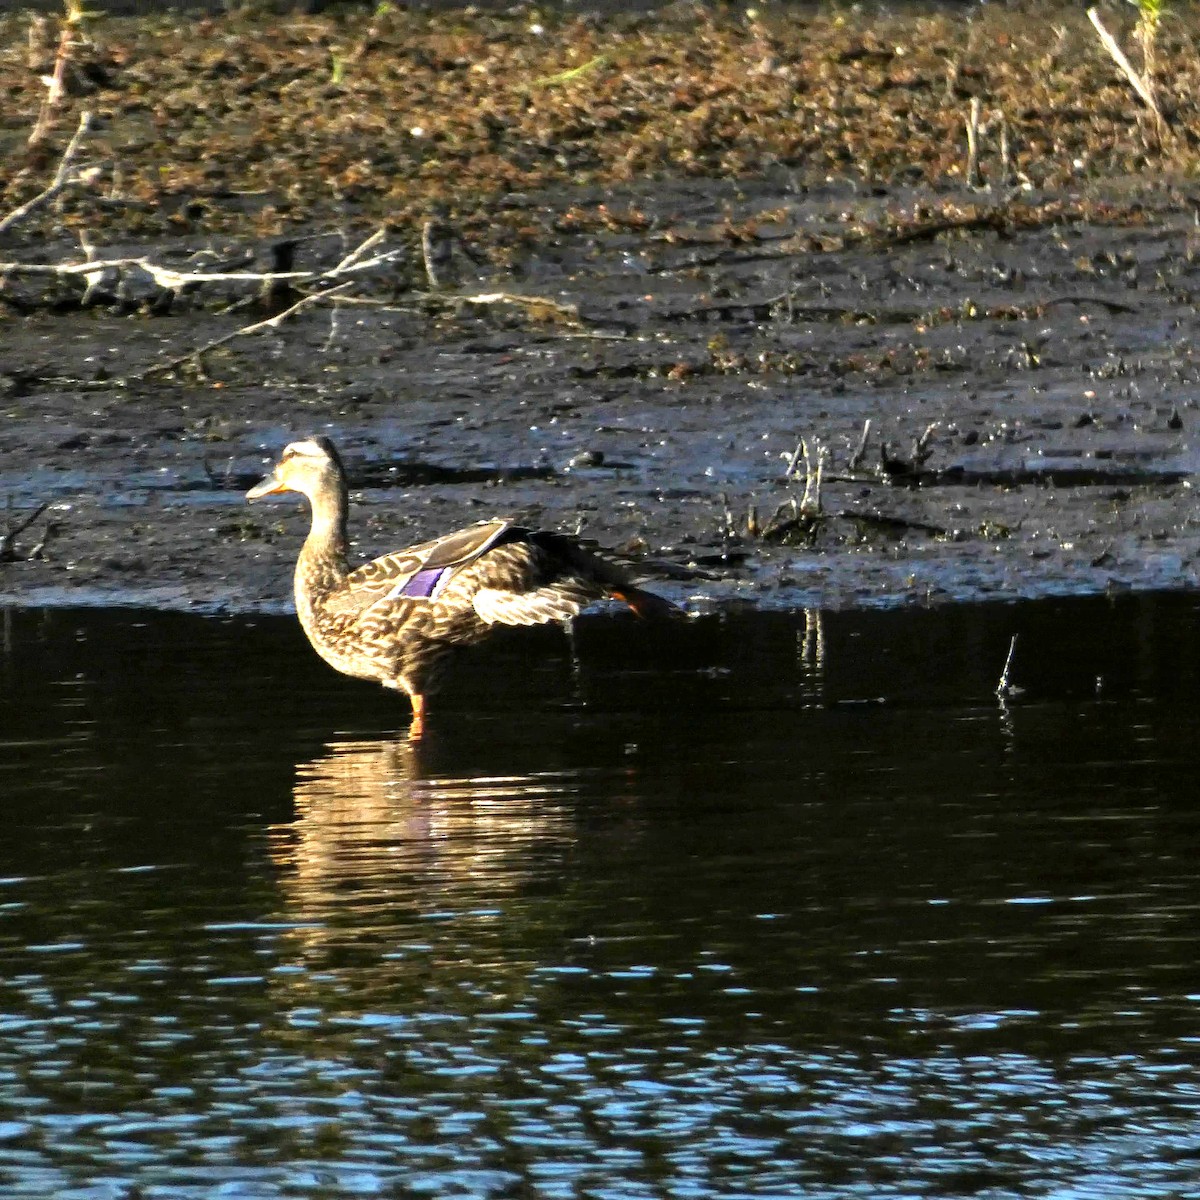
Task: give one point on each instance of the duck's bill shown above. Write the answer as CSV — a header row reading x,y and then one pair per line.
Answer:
x,y
268,487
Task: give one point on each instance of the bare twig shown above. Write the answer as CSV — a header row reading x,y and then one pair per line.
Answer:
x,y
95,279
56,83
245,331
973,143
728,528
1140,83
920,447
62,176
1005,689
860,451
167,277
814,469
435,250
356,254
535,304
8,548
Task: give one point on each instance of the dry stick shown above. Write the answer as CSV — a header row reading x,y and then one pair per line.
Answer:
x,y
1003,688
367,244
753,528
793,460
814,469
269,323
728,529
1138,82
430,252
920,447
973,143
61,177
569,312
56,84
860,451
166,277
94,279
8,550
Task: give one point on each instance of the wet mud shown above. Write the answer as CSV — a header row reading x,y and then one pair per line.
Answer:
x,y
641,365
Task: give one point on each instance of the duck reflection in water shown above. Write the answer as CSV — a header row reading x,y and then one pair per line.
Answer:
x,y
372,830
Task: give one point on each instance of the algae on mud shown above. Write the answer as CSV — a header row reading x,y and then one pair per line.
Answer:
x,y
714,263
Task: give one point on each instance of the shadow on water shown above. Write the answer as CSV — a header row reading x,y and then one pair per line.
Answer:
x,y
751,905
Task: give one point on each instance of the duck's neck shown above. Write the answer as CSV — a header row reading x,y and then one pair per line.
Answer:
x,y
322,565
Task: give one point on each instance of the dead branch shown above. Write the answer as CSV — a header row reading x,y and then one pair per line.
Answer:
x,y
814,469
56,81
172,280
435,252
973,143
996,219
62,177
920,447
245,331
1139,82
892,524
1005,689
860,451
534,304
8,541
355,255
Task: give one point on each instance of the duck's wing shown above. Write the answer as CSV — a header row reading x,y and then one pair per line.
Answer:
x,y
417,572
539,577
554,602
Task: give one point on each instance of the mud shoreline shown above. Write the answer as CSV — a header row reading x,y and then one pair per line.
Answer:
x,y
642,365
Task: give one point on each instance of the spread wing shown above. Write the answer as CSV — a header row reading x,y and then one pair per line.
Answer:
x,y
411,573
542,577
557,602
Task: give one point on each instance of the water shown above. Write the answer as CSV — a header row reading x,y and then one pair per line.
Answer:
x,y
745,907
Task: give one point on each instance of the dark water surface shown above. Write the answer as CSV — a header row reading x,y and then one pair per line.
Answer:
x,y
746,906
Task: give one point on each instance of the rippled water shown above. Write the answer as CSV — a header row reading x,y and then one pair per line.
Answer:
x,y
748,906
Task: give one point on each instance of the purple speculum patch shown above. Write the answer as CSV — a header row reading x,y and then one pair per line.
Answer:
x,y
422,584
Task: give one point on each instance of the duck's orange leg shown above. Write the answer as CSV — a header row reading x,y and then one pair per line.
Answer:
x,y
645,604
417,728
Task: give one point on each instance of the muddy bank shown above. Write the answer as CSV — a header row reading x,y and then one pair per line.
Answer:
x,y
636,359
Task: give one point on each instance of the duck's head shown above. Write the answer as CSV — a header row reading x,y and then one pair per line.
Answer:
x,y
310,467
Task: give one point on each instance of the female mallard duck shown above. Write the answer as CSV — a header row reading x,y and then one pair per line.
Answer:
x,y
398,618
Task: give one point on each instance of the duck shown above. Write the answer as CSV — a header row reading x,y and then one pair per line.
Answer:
x,y
399,619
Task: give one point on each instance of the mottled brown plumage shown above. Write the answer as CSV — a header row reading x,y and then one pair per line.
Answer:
x,y
398,618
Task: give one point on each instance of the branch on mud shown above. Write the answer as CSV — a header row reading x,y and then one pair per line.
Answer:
x,y
194,356
8,541
172,280
791,524
1112,306
995,219
972,179
73,22
534,305
62,177
784,306
1142,84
